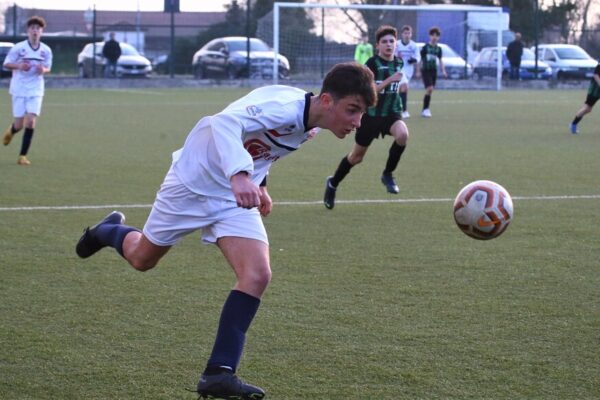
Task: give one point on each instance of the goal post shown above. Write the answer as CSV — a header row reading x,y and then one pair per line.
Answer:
x,y
363,17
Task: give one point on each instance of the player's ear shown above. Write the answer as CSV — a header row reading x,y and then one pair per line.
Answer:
x,y
326,100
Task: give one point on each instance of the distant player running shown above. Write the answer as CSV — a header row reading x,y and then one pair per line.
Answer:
x,y
217,184
29,60
408,51
431,54
383,119
593,94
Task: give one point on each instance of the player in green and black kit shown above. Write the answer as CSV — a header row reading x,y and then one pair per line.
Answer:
x,y
382,119
430,54
593,95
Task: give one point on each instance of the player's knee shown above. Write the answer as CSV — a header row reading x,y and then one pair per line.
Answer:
x,y
258,278
355,159
142,265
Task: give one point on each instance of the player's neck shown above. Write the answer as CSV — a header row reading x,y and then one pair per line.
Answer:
x,y
386,58
34,43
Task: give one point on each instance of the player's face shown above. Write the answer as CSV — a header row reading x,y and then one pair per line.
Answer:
x,y
34,33
406,36
386,46
434,38
345,115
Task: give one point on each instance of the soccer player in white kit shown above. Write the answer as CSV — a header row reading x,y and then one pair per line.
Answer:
x,y
217,184
407,50
29,60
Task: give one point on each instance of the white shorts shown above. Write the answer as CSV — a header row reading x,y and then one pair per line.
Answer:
x,y
177,212
26,105
407,73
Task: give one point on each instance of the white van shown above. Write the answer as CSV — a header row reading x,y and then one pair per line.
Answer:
x,y
567,61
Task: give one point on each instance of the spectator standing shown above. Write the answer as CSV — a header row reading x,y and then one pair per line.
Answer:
x,y
514,52
111,52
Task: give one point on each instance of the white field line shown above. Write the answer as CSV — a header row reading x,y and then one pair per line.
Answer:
x,y
299,203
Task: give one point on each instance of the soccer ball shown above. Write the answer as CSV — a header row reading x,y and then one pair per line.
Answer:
x,y
483,210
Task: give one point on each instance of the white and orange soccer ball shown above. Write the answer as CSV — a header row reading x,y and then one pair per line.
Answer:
x,y
483,210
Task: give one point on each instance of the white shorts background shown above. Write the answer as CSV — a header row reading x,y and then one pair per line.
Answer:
x,y
177,212
26,105
407,73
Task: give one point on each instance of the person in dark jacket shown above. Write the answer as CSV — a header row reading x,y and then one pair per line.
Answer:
x,y
111,52
514,52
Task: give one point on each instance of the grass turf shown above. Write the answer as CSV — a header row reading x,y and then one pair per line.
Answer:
x,y
370,300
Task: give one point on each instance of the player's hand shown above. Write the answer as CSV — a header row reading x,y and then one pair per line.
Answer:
x,y
246,192
445,74
266,204
396,77
39,69
25,66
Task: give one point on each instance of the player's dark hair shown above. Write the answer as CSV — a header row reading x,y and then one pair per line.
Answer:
x,y
406,28
385,30
435,31
349,79
35,20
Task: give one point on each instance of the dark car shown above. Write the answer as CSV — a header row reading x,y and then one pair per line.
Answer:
x,y
226,57
486,65
4,49
130,64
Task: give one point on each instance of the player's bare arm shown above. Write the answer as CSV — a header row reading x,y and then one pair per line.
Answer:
x,y
246,192
266,204
443,68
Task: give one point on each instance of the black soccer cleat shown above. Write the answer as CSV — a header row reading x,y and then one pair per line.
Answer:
x,y
329,198
227,386
390,184
88,244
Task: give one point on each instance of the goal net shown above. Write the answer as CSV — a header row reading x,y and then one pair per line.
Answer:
x,y
315,36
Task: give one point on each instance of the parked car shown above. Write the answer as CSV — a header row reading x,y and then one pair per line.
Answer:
x,y
227,57
4,49
567,61
456,66
130,64
486,64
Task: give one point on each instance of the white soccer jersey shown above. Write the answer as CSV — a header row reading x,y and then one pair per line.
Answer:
x,y
28,83
408,52
248,135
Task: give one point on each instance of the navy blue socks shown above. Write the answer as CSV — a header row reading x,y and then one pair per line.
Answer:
x,y
27,136
237,315
113,235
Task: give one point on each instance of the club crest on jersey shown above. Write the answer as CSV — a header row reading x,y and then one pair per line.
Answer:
x,y
259,149
254,111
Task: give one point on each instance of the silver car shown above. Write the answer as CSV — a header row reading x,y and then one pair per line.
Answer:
x,y
567,61
130,64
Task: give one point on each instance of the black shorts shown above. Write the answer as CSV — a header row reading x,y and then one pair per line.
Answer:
x,y
429,77
591,100
372,127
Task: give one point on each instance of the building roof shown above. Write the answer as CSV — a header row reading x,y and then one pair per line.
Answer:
x,y
153,23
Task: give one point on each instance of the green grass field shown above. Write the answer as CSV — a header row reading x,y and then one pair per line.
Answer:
x,y
385,300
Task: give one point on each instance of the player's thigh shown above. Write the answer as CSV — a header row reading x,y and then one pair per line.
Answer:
x,y
590,101
18,107
399,131
140,252
249,259
33,105
370,128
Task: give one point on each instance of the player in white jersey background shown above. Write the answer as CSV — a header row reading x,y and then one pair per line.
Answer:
x,y
29,60
217,185
407,50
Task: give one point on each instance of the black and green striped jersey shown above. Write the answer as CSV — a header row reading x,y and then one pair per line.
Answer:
x,y
429,57
388,99
594,89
